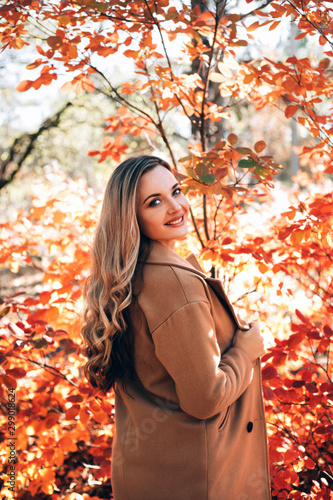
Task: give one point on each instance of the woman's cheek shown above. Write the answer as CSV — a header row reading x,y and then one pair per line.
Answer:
x,y
186,205
147,226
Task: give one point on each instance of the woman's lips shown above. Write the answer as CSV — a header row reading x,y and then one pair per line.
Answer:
x,y
176,222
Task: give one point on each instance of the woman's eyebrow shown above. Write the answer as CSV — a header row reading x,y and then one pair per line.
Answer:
x,y
159,194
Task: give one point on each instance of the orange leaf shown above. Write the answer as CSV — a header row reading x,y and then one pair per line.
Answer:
x,y
58,457
322,40
263,268
48,315
72,52
84,416
134,54
51,419
9,381
88,84
290,111
296,237
207,16
72,412
232,138
17,43
54,42
24,85
259,146
58,217
274,25
37,212
69,86
67,443
241,43
123,111
35,64
253,26
301,35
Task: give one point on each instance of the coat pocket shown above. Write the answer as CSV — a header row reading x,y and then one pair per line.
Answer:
x,y
224,419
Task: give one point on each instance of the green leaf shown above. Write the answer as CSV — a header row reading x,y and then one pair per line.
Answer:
x,y
208,179
190,172
260,172
248,163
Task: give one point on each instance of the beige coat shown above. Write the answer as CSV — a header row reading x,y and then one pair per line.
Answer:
x,y
195,429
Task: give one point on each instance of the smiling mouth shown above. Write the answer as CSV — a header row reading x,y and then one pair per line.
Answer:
x,y
175,222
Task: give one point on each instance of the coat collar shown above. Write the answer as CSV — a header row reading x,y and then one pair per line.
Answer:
x,y
162,255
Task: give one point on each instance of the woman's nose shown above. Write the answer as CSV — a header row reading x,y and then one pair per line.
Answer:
x,y
173,205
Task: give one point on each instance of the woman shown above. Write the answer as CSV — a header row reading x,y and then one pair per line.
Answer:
x,y
189,413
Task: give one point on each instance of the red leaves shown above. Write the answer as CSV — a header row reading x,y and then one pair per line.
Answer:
x,y
9,381
311,387
114,148
297,394
45,78
16,372
79,84
269,372
324,429
269,394
75,398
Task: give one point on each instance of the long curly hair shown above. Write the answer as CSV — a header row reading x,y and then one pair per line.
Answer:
x,y
116,247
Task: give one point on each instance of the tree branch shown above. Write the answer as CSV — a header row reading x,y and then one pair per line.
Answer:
x,y
23,146
259,8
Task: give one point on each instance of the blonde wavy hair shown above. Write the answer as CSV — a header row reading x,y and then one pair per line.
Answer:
x,y
116,247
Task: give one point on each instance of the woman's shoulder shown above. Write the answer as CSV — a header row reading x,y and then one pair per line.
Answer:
x,y
165,283
166,288
161,279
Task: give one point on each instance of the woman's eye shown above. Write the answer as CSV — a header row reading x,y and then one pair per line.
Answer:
x,y
154,202
177,191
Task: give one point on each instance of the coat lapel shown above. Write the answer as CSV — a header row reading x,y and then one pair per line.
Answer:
x,y
162,255
219,290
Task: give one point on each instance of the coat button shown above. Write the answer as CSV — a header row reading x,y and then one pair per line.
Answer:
x,y
249,427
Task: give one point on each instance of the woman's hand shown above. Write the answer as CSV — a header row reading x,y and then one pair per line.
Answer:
x,y
251,341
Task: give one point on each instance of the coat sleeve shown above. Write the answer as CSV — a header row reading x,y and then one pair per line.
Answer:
x,y
186,345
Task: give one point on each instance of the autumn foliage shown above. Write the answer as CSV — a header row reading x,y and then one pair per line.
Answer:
x,y
275,259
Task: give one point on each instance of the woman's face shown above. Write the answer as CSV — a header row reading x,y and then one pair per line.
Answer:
x,y
162,209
